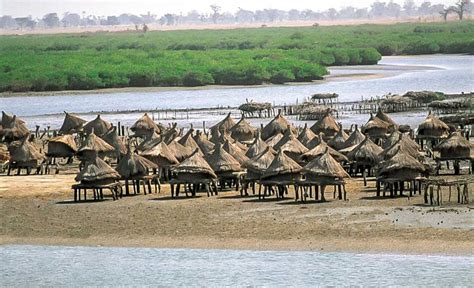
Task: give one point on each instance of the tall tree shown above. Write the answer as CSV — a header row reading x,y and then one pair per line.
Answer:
x,y
51,20
461,8
409,7
216,9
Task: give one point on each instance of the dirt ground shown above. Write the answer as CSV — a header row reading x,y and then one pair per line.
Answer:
x,y
38,209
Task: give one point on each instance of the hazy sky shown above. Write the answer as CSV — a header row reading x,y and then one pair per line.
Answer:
x,y
37,8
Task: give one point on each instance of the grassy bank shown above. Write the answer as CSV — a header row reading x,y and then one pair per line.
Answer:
x,y
223,57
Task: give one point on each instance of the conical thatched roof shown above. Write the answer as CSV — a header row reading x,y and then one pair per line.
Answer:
x,y
25,152
7,119
143,125
112,138
99,126
433,127
235,151
393,138
291,145
272,141
326,125
222,162
71,124
62,146
188,141
13,128
195,164
376,127
243,131
321,148
355,138
400,146
4,154
282,164
225,125
339,140
171,133
134,165
161,155
179,151
456,146
306,135
93,143
324,165
401,165
367,153
205,145
384,117
257,147
279,124
150,140
260,163
95,170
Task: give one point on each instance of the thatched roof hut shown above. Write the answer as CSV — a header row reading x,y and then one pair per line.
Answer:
x,y
143,125
205,145
354,139
291,146
339,140
324,168
401,146
282,169
188,141
25,154
424,96
366,153
224,125
222,162
171,133
99,126
326,125
62,146
455,146
243,131
257,165
376,128
132,165
161,155
320,148
71,124
251,107
96,172
257,147
112,138
433,127
13,128
235,151
179,151
401,167
272,141
194,168
95,145
321,96
279,124
306,136
384,117
150,140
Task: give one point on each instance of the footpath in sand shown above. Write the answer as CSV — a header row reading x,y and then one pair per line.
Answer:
x,y
38,210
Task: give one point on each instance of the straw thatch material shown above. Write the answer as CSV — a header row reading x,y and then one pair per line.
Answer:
x,y
354,139
7,119
384,117
205,145
272,141
339,140
179,151
171,133
376,127
326,125
324,165
257,147
279,124
224,125
71,124
291,146
25,153
188,141
400,146
195,167
4,154
257,165
161,155
13,128
222,162
306,136
402,167
391,139
424,96
433,127
143,125
366,153
150,140
243,131
324,96
455,146
282,166
226,137
99,126
132,165
235,151
97,172
115,141
62,146
251,107
94,144
321,148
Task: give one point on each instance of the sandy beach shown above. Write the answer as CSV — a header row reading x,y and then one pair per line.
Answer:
x,y
38,210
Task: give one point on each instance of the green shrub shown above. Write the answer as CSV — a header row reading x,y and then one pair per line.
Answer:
x,y
191,79
421,47
282,76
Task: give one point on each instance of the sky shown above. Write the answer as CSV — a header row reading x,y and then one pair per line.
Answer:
x,y
37,8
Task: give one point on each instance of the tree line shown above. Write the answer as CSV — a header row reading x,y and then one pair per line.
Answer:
x,y
216,16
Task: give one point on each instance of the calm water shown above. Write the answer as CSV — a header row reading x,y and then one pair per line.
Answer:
x,y
90,266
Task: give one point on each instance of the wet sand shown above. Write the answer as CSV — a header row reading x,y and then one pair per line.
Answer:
x,y
39,210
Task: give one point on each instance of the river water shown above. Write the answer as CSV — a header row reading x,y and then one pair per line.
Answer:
x,y
397,74
51,266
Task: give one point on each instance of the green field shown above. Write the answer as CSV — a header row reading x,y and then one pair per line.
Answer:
x,y
222,57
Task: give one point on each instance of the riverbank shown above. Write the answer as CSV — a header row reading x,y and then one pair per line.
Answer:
x,y
38,210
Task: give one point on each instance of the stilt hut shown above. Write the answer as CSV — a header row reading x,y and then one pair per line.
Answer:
x,y
143,125
376,128
225,125
291,146
258,164
161,155
326,125
384,117
24,155
205,145
320,148
95,145
338,142
179,151
278,125
455,148
272,141
282,172
433,130
188,141
135,169
193,173
112,138
257,147
306,136
325,98
71,124
243,131
365,157
235,151
99,126
13,128
226,167
401,146
354,139
150,140
322,171
63,146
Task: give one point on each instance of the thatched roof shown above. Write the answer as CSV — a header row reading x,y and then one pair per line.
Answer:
x,y
188,141
355,138
7,119
150,140
401,146
179,151
171,133
260,162
291,145
257,147
205,145
112,138
324,165
134,165
306,136
99,126
279,124
62,146
195,164
224,125
96,170
161,155
339,140
391,139
235,151
71,124
320,148
367,153
282,164
326,125
13,128
375,123
432,126
400,161
395,100
384,117
24,151
272,141
93,143
243,131
144,124
455,146
221,161
324,96
4,154
424,96
254,106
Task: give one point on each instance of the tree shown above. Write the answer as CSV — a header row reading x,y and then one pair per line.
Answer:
x,y
7,22
216,9
461,8
377,9
444,13
409,7
51,20
393,9
71,20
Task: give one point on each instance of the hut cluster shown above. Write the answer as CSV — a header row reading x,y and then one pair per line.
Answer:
x,y
235,155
